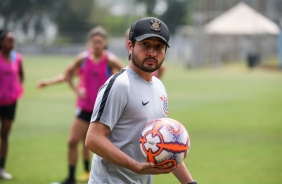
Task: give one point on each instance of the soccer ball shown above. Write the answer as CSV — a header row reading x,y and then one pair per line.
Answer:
x,y
165,142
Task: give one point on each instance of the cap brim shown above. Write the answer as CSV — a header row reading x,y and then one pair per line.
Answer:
x,y
145,36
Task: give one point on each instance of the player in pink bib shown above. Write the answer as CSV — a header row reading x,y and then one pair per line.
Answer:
x,y
11,79
93,67
90,71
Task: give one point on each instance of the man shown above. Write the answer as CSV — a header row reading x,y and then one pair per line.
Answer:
x,y
124,105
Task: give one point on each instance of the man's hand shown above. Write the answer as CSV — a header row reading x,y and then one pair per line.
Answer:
x,y
149,168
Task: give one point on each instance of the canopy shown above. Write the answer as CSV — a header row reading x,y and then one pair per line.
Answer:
x,y
242,20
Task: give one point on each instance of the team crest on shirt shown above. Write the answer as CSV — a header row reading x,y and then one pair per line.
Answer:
x,y
165,104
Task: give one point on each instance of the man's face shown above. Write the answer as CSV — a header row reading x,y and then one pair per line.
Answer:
x,y
149,54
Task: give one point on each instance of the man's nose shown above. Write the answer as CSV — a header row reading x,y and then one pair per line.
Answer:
x,y
152,52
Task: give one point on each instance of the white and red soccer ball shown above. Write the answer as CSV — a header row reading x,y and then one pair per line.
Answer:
x,y
165,142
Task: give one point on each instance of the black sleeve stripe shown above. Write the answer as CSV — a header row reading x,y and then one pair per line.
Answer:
x,y
106,94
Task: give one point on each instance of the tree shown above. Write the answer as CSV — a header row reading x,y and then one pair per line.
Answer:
x,y
27,15
74,19
175,15
150,6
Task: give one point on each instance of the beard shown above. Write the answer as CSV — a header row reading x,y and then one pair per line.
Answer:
x,y
140,64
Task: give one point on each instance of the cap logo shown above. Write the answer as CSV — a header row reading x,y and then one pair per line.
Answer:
x,y
155,25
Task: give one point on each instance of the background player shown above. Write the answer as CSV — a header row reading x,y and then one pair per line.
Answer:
x,y
93,67
120,113
11,79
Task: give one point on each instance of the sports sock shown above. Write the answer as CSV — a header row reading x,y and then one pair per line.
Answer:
x,y
2,162
71,172
86,165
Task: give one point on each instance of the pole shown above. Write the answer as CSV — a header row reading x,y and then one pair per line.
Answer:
x,y
280,46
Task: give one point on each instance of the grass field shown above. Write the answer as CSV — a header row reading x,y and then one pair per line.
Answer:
x,y
234,118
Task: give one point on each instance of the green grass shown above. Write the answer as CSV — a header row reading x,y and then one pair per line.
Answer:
x,y
233,116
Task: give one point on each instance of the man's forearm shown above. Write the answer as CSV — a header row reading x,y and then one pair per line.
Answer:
x,y
182,174
101,146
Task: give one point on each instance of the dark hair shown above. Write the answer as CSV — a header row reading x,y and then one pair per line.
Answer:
x,y
99,30
3,34
129,55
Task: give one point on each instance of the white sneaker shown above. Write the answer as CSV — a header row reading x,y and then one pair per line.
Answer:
x,y
5,175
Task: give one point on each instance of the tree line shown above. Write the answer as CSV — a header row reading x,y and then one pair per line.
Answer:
x,y
74,18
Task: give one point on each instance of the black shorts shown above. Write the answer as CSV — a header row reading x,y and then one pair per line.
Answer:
x,y
83,115
8,111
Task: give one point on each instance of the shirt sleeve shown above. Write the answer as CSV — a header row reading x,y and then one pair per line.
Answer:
x,y
111,102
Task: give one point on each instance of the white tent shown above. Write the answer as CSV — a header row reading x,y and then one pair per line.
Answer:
x,y
242,20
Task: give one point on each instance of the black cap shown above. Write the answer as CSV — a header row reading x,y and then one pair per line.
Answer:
x,y
149,27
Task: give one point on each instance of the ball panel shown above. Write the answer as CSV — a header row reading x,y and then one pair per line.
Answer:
x,y
174,126
152,142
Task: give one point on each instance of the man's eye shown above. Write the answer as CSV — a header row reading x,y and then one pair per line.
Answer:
x,y
145,44
160,46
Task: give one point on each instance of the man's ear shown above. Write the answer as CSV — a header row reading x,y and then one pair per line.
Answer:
x,y
129,49
129,46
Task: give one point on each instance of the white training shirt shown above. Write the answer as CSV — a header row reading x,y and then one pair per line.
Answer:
x,y
126,103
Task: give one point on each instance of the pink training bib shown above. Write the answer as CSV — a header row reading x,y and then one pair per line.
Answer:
x,y
10,87
92,76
